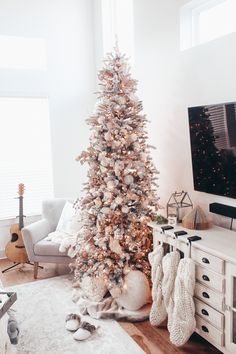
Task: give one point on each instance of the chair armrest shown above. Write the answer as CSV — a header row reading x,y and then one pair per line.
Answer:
x,y
33,233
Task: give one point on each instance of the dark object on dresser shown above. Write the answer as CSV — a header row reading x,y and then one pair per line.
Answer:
x,y
224,210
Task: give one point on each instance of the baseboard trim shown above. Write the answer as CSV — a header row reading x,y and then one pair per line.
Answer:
x,y
2,254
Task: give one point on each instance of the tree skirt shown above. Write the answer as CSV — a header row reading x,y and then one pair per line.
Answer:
x,y
41,310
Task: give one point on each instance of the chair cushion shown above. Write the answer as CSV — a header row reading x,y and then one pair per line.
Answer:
x,y
48,248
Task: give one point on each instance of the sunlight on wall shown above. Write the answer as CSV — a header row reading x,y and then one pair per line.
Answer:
x,y
23,53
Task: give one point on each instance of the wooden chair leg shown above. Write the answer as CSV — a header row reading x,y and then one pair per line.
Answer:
x,y
36,267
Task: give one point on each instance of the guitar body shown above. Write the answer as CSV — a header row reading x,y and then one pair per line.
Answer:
x,y
15,249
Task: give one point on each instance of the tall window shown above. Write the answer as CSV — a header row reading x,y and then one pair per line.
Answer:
x,y
25,154
216,21
206,20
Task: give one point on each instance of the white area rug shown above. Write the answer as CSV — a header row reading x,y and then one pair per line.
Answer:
x,y
41,310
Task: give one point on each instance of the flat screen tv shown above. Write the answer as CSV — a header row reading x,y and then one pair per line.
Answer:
x,y
213,146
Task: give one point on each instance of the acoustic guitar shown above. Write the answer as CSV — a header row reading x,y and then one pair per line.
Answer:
x,y
15,249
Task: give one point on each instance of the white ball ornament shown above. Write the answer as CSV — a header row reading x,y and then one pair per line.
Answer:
x,y
109,125
135,292
110,185
128,179
107,136
105,210
125,209
133,137
122,100
116,143
105,161
113,205
98,202
101,120
119,200
107,195
116,107
119,165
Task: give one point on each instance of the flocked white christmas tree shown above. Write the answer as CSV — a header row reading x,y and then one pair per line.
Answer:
x,y
120,194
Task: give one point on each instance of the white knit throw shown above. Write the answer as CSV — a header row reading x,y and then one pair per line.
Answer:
x,y
183,322
158,311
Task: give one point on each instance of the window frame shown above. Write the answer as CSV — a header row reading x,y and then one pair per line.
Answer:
x,y
189,21
5,219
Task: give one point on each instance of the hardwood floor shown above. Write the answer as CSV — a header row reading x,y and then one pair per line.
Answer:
x,y
25,274
151,340
156,340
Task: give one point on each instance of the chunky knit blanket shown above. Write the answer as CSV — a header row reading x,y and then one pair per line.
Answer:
x,y
108,308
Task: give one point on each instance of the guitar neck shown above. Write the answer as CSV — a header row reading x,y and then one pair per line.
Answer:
x,y
21,216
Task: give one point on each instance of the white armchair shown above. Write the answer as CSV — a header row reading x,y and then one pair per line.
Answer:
x,y
38,249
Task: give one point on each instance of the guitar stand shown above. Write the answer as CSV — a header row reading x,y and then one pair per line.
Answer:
x,y
16,264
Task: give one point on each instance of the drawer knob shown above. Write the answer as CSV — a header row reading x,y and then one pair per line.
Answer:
x,y
204,294
204,312
205,329
205,260
205,277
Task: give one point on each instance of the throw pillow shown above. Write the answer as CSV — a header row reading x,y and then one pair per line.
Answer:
x,y
68,222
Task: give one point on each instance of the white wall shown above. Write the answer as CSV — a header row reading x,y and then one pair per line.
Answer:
x,y
69,82
169,82
72,86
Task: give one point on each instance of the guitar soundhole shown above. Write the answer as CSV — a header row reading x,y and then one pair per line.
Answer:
x,y
14,237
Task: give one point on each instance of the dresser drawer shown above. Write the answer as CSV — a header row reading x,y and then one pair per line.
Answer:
x,y
209,314
207,260
209,332
212,279
209,296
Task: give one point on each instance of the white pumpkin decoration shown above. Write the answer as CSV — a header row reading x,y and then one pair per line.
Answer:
x,y
136,291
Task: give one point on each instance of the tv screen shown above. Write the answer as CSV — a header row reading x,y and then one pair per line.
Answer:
x,y
213,147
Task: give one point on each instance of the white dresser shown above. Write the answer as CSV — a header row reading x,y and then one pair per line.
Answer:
x,y
215,291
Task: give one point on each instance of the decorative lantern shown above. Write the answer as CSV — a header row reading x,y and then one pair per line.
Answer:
x,y
176,203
